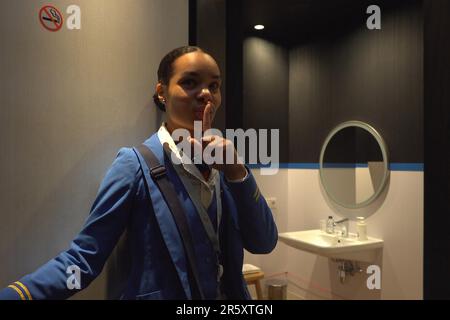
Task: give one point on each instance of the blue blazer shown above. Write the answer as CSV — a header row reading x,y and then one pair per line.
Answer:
x,y
158,266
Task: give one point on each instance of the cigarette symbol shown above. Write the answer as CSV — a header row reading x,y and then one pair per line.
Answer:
x,y
49,19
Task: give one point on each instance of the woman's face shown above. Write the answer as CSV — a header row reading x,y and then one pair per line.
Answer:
x,y
195,81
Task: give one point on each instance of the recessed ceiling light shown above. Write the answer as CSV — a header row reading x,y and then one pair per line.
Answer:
x,y
259,27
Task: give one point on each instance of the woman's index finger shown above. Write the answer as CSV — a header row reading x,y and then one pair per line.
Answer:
x,y
207,115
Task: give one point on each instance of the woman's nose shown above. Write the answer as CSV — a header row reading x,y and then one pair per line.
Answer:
x,y
205,94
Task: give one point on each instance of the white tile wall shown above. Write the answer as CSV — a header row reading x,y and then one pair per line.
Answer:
x,y
397,219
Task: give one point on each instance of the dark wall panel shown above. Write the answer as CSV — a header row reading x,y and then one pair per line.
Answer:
x,y
265,89
437,150
209,33
371,76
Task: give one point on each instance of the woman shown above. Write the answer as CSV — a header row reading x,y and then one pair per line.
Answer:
x,y
130,199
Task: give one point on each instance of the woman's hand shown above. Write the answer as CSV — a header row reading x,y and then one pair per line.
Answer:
x,y
234,169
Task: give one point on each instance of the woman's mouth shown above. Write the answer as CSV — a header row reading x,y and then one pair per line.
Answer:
x,y
199,112
199,116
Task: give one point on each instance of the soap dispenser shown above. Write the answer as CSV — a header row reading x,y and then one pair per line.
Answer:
x,y
361,228
330,225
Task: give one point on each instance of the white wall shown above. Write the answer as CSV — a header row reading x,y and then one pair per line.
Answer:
x,y
398,221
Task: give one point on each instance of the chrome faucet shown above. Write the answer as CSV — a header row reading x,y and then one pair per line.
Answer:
x,y
343,226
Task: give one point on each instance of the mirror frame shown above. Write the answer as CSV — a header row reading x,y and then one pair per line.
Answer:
x,y
384,152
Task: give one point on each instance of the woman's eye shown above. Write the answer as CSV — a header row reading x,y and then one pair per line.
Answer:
x,y
190,83
214,86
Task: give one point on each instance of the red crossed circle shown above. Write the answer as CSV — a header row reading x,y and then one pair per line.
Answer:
x,y
50,18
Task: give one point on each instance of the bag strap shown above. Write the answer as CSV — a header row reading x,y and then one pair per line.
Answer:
x,y
159,175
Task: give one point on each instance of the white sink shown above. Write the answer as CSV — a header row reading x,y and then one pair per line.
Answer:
x,y
332,246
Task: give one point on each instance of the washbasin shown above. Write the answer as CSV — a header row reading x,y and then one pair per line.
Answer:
x,y
333,246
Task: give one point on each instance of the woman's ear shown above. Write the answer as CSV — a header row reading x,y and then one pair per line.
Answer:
x,y
160,92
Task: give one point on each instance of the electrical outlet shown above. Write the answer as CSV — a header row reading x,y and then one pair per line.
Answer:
x,y
272,202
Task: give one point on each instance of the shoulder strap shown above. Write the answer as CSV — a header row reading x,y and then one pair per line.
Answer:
x,y
159,175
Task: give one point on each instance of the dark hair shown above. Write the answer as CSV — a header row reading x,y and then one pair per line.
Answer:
x,y
165,68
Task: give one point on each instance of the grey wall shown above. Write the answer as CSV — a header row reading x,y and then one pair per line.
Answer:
x,y
211,36
68,101
265,89
348,73
372,76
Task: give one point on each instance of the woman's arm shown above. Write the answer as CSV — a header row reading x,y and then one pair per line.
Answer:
x,y
258,230
92,246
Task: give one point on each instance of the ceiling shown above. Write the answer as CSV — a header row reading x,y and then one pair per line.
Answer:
x,y
292,22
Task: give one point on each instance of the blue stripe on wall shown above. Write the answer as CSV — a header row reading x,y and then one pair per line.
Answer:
x,y
345,165
415,167
406,167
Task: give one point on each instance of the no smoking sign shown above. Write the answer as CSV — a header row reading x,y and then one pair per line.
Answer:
x,y
50,17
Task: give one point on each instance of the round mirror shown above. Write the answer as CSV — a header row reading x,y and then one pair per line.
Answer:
x,y
353,165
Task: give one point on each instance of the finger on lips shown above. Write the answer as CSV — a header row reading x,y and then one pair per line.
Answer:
x,y
207,116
